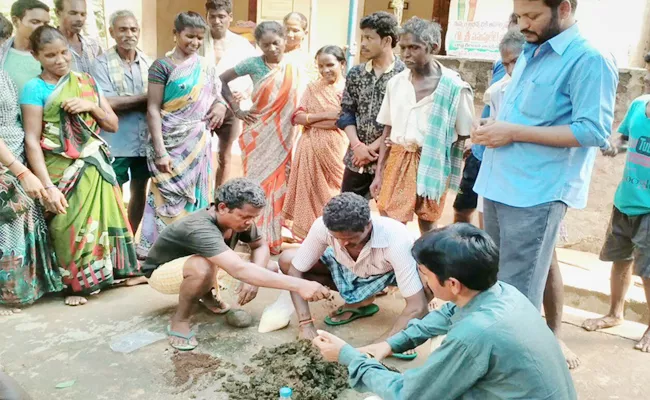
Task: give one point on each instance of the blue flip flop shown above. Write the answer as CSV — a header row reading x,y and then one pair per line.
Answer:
x,y
405,357
188,337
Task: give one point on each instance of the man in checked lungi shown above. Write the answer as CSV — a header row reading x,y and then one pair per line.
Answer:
x,y
427,112
359,256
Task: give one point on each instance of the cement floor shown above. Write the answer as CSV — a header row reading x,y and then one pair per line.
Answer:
x,y
50,343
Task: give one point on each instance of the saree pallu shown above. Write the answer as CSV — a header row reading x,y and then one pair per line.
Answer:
x,y
93,241
398,197
317,168
266,145
27,266
191,89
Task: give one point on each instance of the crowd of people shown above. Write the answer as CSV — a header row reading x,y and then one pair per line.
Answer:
x,y
79,122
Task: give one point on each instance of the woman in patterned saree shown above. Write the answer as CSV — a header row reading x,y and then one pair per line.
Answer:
x,y
317,169
27,267
184,105
63,112
267,139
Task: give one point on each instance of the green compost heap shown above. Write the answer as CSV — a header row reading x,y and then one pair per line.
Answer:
x,y
297,365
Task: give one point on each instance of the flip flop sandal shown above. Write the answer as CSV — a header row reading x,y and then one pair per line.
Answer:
x,y
405,357
361,312
188,337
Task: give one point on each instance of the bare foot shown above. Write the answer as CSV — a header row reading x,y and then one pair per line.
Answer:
x,y
213,302
307,332
644,343
75,301
183,328
605,322
572,360
7,312
139,280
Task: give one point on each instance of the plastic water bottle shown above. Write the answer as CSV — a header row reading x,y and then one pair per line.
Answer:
x,y
285,393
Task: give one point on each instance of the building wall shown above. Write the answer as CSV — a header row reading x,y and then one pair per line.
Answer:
x,y
417,8
478,74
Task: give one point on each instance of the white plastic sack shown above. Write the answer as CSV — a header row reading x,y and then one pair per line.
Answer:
x,y
277,315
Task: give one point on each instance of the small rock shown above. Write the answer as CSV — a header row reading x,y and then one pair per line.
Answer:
x,y
239,319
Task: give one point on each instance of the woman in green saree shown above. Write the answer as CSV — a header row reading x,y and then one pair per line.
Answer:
x,y
63,112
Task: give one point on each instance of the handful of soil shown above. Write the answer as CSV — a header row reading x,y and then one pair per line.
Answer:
x,y
297,365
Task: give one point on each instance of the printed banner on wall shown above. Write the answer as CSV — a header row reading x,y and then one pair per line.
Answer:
x,y
476,27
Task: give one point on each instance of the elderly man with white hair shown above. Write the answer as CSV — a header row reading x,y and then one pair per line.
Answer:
x,y
121,73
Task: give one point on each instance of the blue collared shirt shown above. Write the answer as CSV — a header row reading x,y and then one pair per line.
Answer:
x,y
132,136
497,347
568,82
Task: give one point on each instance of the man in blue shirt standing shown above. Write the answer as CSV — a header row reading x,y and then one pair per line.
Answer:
x,y
540,153
497,345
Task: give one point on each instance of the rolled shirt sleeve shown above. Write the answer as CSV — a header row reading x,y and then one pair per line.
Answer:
x,y
593,94
312,247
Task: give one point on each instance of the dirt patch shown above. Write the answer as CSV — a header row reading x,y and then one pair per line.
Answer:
x,y
297,365
190,367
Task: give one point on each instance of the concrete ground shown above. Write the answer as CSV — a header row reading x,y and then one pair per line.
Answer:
x,y
50,343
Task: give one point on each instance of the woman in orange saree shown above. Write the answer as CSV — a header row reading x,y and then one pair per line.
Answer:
x,y
268,134
317,169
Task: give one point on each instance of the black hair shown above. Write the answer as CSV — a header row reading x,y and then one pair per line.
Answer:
x,y
268,26
44,35
460,251
385,24
304,22
19,8
6,28
554,4
347,212
219,5
238,192
189,19
332,50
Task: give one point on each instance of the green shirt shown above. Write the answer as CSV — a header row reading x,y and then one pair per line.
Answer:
x,y
255,67
21,67
633,194
497,347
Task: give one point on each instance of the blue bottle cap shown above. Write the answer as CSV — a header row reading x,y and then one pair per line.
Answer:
x,y
286,392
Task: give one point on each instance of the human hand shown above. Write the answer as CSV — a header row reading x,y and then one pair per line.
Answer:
x,y
247,116
493,134
239,96
313,291
375,186
76,105
164,163
57,203
615,147
363,155
329,345
378,350
246,293
33,186
216,116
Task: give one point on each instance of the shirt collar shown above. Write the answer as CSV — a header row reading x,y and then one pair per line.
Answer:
x,y
369,66
378,238
560,42
477,301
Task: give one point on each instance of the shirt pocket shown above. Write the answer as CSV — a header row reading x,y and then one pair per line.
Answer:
x,y
538,100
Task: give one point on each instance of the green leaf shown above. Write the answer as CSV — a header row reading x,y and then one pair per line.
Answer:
x,y
64,385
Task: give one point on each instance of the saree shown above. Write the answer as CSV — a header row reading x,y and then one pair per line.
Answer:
x,y
93,241
191,88
27,266
267,144
317,168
